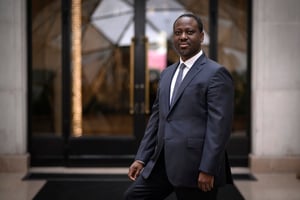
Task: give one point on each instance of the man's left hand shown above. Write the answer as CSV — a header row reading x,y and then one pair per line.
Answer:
x,y
205,182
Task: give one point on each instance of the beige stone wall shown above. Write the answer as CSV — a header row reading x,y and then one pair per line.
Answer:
x,y
13,74
275,86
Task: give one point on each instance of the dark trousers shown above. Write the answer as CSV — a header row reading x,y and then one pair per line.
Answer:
x,y
158,187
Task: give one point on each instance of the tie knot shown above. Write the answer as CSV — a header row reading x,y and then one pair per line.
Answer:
x,y
182,66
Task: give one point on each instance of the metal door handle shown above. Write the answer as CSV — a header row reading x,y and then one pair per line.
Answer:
x,y
139,107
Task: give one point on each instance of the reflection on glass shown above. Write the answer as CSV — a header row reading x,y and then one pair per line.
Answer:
x,y
46,67
232,52
106,92
105,68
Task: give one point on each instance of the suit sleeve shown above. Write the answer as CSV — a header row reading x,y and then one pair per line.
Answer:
x,y
220,100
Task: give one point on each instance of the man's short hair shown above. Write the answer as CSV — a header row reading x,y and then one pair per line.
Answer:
x,y
191,15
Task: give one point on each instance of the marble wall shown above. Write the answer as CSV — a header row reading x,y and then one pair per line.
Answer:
x,y
13,74
276,85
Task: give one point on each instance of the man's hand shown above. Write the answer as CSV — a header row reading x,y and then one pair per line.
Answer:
x,y
205,182
135,170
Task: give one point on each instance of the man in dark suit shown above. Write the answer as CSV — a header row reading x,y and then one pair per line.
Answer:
x,y
183,149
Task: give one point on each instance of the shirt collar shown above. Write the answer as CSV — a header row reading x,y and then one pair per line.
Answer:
x,y
189,63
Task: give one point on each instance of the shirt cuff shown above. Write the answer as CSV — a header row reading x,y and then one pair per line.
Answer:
x,y
139,161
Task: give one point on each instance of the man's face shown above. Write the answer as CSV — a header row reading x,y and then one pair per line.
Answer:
x,y
187,37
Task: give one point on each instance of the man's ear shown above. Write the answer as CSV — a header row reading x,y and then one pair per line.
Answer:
x,y
202,36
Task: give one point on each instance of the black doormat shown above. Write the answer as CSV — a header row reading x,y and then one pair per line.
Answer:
x,y
103,177
100,187
107,190
244,177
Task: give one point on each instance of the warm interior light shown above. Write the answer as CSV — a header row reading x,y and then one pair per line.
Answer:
x,y
76,69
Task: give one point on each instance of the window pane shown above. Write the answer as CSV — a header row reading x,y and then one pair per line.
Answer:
x,y
105,45
232,53
46,67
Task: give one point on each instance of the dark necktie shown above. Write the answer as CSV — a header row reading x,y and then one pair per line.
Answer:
x,y
178,81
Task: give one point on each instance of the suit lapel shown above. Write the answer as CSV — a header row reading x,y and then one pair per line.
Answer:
x,y
167,82
195,69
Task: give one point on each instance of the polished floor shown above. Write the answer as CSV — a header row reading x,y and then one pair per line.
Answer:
x,y
268,186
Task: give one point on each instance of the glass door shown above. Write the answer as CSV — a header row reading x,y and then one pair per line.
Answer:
x,y
46,141
88,99
109,93
89,83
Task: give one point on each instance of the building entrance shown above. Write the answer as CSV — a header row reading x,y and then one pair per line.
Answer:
x,y
94,69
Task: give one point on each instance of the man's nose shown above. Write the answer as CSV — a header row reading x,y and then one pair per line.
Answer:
x,y
183,35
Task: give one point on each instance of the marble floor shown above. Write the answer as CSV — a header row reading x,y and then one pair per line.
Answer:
x,y
268,186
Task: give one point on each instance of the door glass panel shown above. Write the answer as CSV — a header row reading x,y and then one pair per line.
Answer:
x,y
232,52
107,28
46,67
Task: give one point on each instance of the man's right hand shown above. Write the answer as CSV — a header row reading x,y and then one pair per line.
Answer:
x,y
135,170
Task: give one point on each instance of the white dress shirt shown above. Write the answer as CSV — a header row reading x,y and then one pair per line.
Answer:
x,y
188,63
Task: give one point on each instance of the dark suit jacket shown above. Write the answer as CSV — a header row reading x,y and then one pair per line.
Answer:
x,y
193,131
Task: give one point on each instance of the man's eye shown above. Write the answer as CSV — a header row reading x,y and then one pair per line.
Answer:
x,y
177,32
190,32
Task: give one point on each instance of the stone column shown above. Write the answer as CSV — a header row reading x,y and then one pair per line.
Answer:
x,y
275,86
13,88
